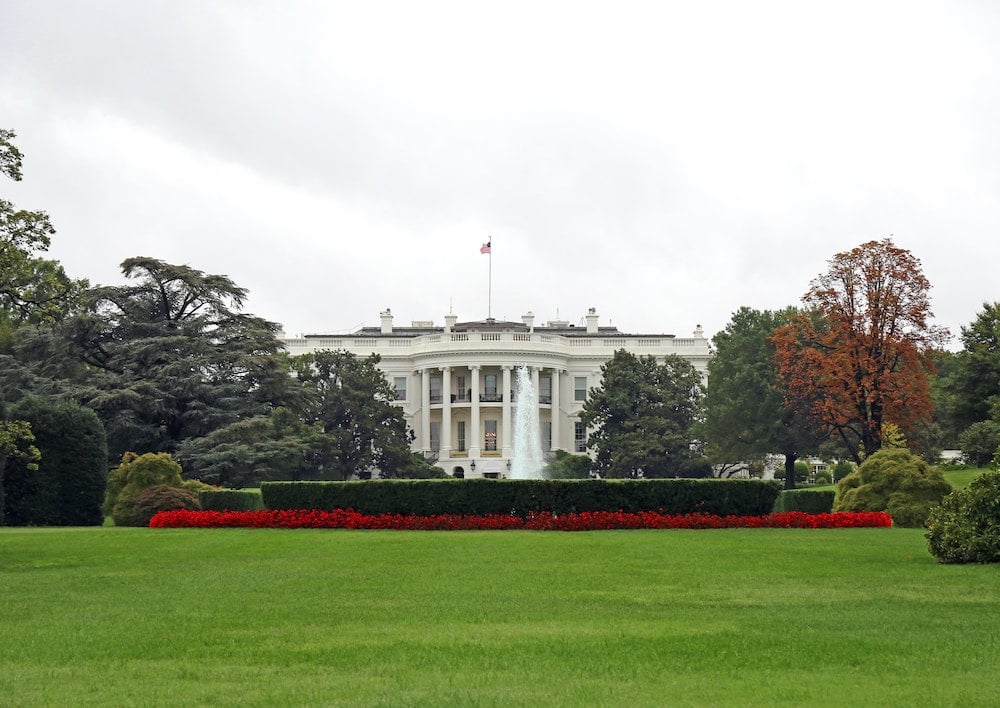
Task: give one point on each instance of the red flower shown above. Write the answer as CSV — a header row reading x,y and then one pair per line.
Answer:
x,y
540,521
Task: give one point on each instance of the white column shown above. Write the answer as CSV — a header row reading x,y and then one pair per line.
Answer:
x,y
446,411
475,446
425,410
506,434
556,411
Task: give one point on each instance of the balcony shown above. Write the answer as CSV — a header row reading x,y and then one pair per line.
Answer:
x,y
491,398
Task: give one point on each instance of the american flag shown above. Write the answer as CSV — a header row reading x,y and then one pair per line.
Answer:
x,y
485,248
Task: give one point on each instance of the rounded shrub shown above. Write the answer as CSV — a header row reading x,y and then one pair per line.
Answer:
x,y
132,476
138,510
896,481
965,528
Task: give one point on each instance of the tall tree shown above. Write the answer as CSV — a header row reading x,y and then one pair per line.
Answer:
x,y
354,405
642,415
976,383
32,288
747,412
865,361
169,357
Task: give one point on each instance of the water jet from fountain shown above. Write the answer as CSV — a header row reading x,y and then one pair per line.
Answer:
x,y
527,461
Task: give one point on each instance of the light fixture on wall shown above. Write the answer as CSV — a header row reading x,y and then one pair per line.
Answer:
x,y
472,465
508,465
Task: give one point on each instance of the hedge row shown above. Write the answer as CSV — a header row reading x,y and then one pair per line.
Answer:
x,y
230,500
522,497
811,501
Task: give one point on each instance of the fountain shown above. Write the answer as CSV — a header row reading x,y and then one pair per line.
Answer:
x,y
527,461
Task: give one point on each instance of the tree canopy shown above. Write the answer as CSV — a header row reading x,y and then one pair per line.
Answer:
x,y
976,382
864,360
32,288
169,357
748,413
642,416
352,403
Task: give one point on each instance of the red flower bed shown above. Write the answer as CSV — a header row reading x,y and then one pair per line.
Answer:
x,y
583,521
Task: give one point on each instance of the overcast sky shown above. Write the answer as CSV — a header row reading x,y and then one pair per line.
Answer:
x,y
665,163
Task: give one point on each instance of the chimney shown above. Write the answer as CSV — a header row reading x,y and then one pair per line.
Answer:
x,y
592,321
386,316
528,319
449,322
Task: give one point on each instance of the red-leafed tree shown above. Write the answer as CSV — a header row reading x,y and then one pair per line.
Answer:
x,y
862,359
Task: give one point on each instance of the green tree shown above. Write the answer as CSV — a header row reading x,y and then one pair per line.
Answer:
x,y
747,408
976,383
642,416
66,487
278,446
980,442
169,357
32,288
353,404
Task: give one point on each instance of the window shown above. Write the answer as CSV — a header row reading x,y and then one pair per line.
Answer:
x,y
490,439
400,383
545,389
464,395
461,436
546,435
579,388
435,436
435,389
490,393
579,437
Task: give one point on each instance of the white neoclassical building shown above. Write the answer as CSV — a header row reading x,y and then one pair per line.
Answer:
x,y
455,383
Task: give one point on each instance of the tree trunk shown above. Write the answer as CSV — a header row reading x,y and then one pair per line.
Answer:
x,y
790,471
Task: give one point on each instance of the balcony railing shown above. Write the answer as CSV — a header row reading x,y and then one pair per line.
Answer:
x,y
490,397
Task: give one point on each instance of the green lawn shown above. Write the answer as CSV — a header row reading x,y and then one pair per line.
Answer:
x,y
112,616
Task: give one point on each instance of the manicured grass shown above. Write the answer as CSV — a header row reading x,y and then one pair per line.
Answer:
x,y
960,479
111,616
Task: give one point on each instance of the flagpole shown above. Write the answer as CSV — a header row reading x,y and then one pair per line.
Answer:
x,y
489,292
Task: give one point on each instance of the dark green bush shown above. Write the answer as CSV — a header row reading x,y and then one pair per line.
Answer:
x,y
487,496
230,499
811,501
896,481
138,510
68,486
965,528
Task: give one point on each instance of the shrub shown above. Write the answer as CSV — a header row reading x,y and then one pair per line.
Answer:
x,y
965,528
139,510
132,476
811,501
896,481
566,465
67,486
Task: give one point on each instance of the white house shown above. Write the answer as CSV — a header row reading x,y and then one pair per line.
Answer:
x,y
455,382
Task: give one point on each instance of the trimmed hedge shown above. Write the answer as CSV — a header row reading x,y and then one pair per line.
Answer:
x,y
230,500
525,496
811,501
